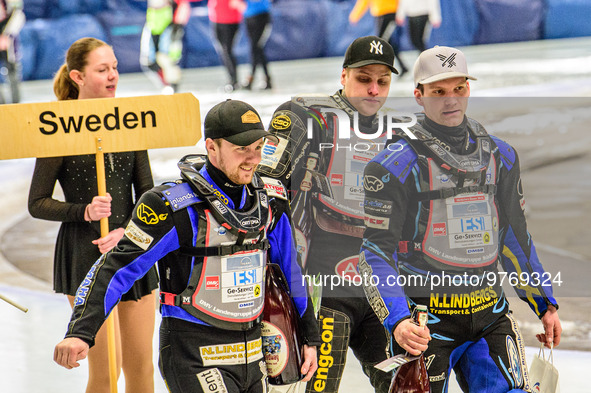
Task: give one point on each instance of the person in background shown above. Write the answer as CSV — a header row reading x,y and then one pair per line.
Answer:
x,y
211,234
225,17
90,71
419,12
12,20
162,42
384,12
257,15
456,211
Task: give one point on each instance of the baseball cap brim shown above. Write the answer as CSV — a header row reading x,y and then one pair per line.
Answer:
x,y
446,75
248,137
370,62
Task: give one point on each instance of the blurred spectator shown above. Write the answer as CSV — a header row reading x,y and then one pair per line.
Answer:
x,y
225,17
257,16
419,12
12,20
162,42
385,13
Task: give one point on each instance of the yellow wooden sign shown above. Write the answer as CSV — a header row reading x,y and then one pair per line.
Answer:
x,y
65,128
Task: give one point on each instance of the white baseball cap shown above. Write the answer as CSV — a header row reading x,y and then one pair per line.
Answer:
x,y
439,63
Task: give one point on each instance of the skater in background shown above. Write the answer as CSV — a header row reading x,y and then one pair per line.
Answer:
x,y
90,71
12,20
225,17
162,42
419,12
384,12
257,15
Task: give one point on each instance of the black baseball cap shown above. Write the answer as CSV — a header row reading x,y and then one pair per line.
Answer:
x,y
235,121
369,50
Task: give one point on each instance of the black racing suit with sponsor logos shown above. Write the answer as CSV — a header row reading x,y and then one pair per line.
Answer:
x,y
323,172
212,281
441,213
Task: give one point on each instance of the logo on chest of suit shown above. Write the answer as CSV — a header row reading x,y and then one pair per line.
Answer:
x,y
250,222
469,162
372,183
219,206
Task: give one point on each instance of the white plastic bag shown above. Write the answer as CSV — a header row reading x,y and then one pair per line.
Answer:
x,y
542,373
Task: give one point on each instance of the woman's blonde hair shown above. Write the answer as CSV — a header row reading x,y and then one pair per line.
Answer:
x,y
76,59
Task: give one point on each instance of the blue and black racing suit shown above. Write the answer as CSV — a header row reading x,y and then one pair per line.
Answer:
x,y
212,277
441,212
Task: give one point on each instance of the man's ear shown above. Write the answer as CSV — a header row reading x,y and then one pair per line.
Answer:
x,y
418,97
210,145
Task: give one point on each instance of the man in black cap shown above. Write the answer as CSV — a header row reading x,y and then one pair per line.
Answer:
x,y
323,169
211,233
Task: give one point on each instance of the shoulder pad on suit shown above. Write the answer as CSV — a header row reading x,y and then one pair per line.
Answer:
x,y
507,152
314,99
180,196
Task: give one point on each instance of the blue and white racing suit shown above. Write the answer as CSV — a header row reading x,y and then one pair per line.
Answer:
x,y
437,226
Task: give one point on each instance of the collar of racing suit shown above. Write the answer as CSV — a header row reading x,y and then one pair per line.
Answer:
x,y
231,189
366,123
457,138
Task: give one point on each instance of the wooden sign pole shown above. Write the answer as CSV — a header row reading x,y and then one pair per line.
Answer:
x,y
13,303
102,191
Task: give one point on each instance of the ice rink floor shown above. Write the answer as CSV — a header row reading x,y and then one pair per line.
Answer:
x,y
529,71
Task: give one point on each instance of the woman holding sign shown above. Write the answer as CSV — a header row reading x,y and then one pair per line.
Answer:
x,y
90,71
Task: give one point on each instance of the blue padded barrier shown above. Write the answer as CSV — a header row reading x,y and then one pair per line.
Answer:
x,y
93,6
339,32
56,9
199,44
459,24
35,9
27,50
124,31
127,5
509,20
299,30
52,47
567,18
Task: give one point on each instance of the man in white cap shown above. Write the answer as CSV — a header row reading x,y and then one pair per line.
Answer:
x,y
455,209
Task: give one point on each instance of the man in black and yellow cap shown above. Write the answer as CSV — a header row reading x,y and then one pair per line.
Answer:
x,y
324,144
211,233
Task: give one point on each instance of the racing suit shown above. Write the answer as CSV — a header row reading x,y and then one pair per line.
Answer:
x,y
441,212
323,173
12,20
211,250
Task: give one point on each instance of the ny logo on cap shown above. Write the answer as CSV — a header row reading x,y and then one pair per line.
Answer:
x,y
377,46
448,60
